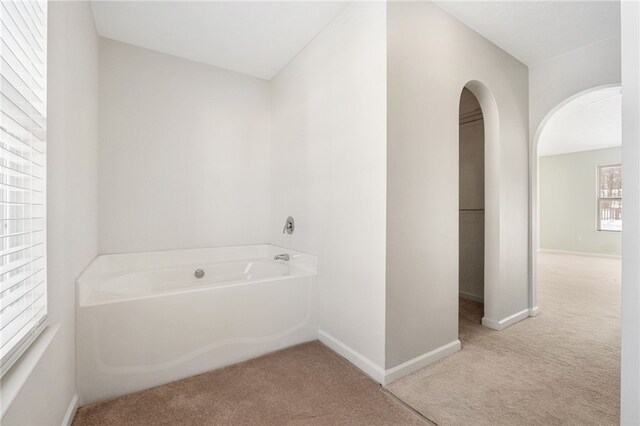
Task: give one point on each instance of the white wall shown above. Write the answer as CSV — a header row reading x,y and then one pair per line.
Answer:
x,y
553,81
184,153
431,56
72,144
329,160
630,356
568,202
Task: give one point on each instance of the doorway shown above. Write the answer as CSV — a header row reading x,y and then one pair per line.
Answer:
x,y
471,209
577,179
577,194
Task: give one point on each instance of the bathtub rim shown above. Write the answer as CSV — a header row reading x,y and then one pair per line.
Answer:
x,y
84,305
304,264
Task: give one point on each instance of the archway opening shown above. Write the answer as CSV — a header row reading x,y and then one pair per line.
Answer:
x,y
575,180
471,231
576,217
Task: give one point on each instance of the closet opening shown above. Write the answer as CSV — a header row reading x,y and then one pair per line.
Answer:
x,y
471,212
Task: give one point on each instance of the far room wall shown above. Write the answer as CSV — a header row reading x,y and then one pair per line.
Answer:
x,y
568,202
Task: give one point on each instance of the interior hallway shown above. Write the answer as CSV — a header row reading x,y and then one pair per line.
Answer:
x,y
561,367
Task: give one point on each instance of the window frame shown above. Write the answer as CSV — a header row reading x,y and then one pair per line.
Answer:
x,y
599,168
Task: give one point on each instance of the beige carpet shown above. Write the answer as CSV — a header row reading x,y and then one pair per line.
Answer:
x,y
304,385
559,368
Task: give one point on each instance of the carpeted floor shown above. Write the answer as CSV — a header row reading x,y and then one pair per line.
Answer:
x,y
304,385
559,368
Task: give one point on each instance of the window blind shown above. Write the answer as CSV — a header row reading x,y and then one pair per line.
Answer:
x,y
23,284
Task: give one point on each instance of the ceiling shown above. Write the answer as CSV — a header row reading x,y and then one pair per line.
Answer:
x,y
259,37
251,37
592,121
534,31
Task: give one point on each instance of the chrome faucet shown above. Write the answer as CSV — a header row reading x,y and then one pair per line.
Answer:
x,y
283,256
289,226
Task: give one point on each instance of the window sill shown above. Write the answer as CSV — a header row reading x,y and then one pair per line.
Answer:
x,y
17,376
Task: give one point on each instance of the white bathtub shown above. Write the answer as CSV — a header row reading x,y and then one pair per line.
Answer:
x,y
144,319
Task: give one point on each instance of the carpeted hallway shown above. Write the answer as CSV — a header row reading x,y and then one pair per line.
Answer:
x,y
559,368
304,385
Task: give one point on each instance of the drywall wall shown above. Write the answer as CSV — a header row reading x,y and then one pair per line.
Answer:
x,y
471,198
72,146
425,79
630,347
184,153
568,202
328,172
553,81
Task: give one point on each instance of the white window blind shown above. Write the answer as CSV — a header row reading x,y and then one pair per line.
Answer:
x,y
23,284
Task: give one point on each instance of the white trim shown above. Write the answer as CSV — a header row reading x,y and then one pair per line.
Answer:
x,y
415,364
375,372
21,347
471,296
580,253
506,322
534,311
367,366
71,411
19,373
492,324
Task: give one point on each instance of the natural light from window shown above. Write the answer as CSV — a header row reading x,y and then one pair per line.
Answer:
x,y
610,198
23,283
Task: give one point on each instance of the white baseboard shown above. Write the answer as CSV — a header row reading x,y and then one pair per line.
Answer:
x,y
506,322
71,411
492,324
367,366
377,373
415,364
580,253
534,311
471,296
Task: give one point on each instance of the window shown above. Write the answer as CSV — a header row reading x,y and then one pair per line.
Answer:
x,y
23,286
610,198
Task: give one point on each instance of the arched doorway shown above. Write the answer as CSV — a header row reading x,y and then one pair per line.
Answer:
x,y
534,203
491,201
